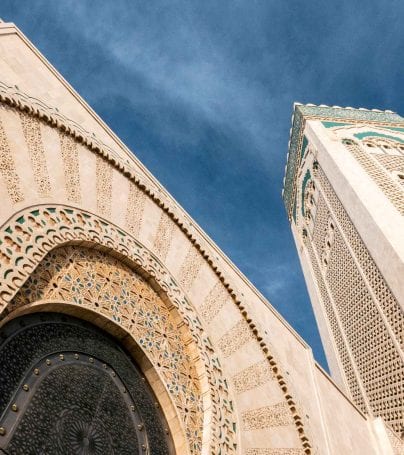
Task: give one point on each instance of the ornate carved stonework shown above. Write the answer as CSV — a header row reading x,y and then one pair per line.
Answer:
x,y
73,390
47,227
93,279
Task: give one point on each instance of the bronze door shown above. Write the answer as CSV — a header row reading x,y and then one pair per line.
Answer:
x,y
68,388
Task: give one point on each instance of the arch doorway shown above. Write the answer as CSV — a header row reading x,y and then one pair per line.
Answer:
x,y
66,387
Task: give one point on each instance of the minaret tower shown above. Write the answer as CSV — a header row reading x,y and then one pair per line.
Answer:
x,y
344,195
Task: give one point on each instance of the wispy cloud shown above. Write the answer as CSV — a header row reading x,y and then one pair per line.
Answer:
x,y
202,91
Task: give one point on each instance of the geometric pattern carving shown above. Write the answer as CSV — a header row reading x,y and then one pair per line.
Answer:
x,y
104,186
8,170
71,169
397,443
214,302
134,209
267,416
235,338
253,376
378,174
42,229
315,248
163,237
33,138
390,163
190,268
368,315
93,279
350,373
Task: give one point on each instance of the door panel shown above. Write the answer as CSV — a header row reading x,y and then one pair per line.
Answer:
x,y
68,388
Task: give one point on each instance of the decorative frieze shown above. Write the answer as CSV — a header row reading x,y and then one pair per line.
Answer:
x,y
148,189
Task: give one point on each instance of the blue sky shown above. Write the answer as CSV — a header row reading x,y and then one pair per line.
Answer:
x,y
202,92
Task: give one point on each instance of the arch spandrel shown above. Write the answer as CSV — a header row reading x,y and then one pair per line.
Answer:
x,y
39,264
35,231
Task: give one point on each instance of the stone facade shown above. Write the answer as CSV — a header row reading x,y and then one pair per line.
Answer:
x,y
345,199
87,231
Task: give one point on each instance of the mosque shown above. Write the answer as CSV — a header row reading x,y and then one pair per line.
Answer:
x,y
125,330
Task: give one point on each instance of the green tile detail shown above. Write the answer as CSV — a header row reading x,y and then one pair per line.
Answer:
x,y
351,114
306,178
35,212
304,145
394,128
9,230
293,160
332,124
375,134
294,211
21,220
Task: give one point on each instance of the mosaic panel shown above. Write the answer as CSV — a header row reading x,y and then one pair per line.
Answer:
x,y
303,112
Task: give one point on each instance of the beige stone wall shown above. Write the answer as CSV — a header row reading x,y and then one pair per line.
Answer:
x,y
259,388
